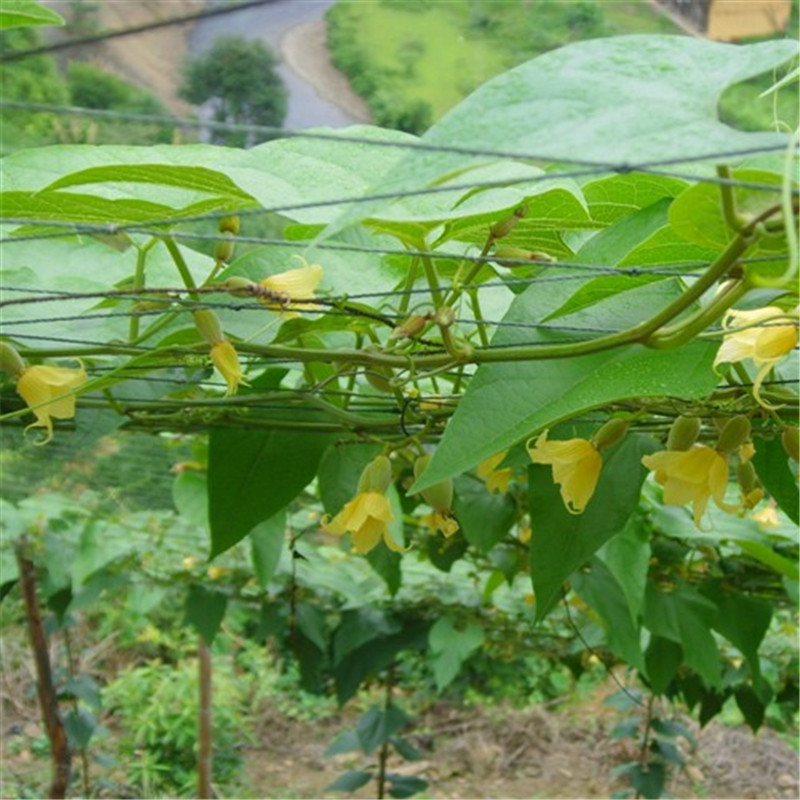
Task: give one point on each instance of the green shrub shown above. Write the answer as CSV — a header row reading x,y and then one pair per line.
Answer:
x,y
157,708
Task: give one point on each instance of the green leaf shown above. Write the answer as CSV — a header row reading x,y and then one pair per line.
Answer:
x,y
252,474
600,589
648,780
266,546
196,179
630,94
610,198
772,466
751,706
345,742
696,214
484,517
377,725
405,749
190,495
83,687
350,781
627,555
662,659
376,655
560,541
742,620
89,209
505,403
24,13
401,786
80,725
205,609
358,627
450,647
685,616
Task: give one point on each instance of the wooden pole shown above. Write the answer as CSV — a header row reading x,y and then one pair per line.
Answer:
x,y
48,700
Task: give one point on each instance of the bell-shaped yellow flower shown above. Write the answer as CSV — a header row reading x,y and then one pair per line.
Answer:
x,y
49,391
691,476
443,521
497,480
225,359
576,467
367,517
294,284
765,343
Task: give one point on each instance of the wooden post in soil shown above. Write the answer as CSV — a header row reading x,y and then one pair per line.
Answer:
x,y
48,700
204,722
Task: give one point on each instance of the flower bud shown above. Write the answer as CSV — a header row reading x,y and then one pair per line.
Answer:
x,y
379,377
377,476
223,249
208,324
791,443
439,496
410,328
735,433
10,360
239,287
505,226
510,256
610,433
746,474
229,225
683,433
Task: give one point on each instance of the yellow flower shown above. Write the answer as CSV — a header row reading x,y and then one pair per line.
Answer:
x,y
294,284
765,343
367,517
691,476
443,521
767,517
576,466
225,359
49,392
497,480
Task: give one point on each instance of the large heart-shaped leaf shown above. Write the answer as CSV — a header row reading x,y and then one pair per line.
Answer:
x,y
629,100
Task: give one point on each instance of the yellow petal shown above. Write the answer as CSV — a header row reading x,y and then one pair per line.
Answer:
x,y
49,392
225,359
294,284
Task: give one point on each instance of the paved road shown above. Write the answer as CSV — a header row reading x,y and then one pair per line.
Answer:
x,y
269,23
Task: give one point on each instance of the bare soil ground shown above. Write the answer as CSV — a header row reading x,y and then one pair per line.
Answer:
x,y
501,752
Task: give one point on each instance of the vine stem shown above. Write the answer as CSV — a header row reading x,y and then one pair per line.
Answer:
x,y
383,756
183,267
204,721
648,723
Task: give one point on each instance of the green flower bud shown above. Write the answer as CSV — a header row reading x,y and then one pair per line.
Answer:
x,y
377,476
439,496
208,324
747,477
10,360
735,433
509,256
610,433
791,443
505,226
683,433
223,249
445,316
229,225
239,287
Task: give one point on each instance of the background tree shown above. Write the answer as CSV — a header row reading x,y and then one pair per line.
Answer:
x,y
239,79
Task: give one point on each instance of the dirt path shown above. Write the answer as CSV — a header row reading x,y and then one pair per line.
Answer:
x,y
304,49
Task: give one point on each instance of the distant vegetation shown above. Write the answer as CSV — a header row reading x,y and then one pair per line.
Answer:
x,y
413,61
238,76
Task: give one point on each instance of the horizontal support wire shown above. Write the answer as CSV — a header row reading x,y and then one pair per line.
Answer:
x,y
345,138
